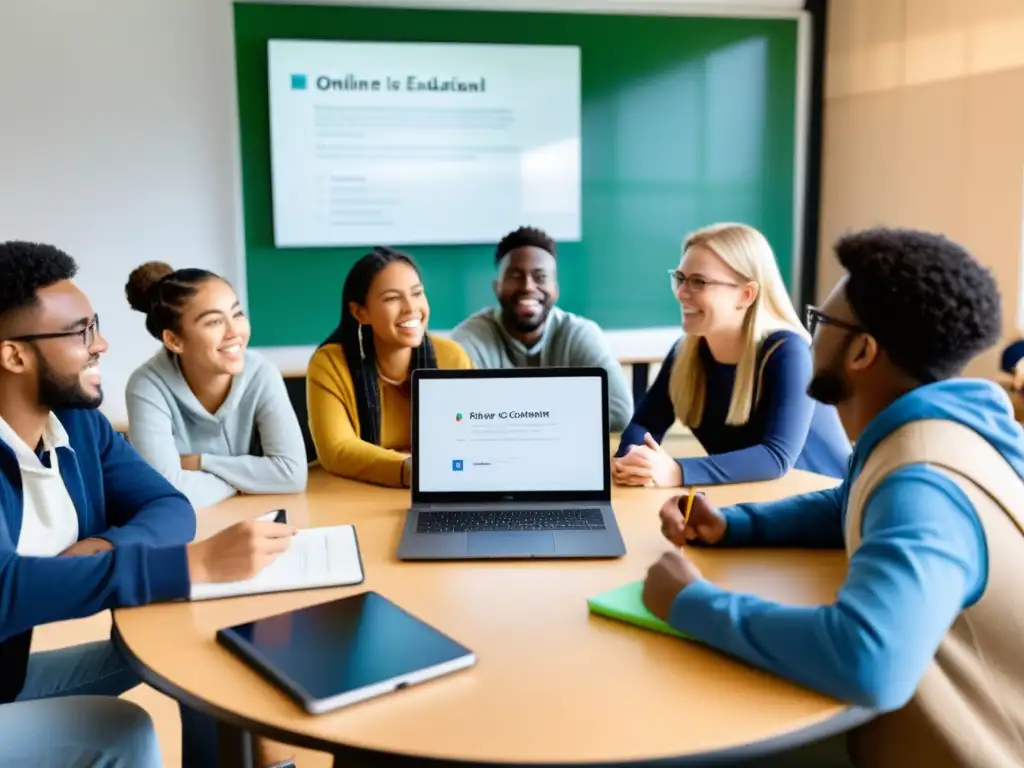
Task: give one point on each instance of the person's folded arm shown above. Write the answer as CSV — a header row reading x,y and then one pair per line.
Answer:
x,y
589,348
142,507
654,412
283,467
921,560
151,432
338,445
789,412
40,590
813,520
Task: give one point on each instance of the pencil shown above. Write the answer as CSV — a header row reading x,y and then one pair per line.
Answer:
x,y
689,506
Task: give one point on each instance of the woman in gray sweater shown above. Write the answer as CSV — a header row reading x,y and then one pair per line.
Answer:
x,y
210,415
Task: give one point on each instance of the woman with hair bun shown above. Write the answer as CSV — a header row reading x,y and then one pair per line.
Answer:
x,y
211,415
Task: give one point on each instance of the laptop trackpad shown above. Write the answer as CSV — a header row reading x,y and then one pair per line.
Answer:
x,y
510,543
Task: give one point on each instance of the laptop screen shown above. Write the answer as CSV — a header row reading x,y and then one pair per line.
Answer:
x,y
521,433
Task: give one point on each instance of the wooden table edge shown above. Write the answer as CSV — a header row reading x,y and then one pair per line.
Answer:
x,y
845,719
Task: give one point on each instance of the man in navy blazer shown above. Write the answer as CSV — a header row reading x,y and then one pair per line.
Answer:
x,y
85,525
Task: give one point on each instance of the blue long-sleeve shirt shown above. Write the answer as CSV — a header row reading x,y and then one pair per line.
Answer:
x,y
786,429
922,560
1011,356
117,496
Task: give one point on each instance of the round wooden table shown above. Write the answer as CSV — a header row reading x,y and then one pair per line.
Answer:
x,y
554,685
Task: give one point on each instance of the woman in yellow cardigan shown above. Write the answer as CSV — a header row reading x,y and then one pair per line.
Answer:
x,y
357,384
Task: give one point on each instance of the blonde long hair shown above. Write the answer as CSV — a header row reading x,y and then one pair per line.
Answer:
x,y
747,252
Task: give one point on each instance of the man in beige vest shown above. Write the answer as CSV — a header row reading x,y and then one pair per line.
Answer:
x,y
927,630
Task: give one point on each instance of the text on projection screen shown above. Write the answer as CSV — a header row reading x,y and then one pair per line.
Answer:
x,y
422,143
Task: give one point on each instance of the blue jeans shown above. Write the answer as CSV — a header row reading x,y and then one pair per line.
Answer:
x,y
77,732
68,714
90,669
96,670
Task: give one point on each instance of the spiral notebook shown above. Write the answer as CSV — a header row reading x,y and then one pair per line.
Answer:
x,y
626,604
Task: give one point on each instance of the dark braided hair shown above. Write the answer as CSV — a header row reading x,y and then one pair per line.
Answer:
x,y
160,292
362,359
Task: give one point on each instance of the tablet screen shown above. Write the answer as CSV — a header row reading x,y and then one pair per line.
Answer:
x,y
340,647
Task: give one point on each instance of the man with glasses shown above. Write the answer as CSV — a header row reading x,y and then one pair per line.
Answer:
x,y
925,632
526,329
85,525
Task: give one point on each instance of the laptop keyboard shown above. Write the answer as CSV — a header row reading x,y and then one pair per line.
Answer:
x,y
572,519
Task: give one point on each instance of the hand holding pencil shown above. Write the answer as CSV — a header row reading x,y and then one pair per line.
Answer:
x,y
689,517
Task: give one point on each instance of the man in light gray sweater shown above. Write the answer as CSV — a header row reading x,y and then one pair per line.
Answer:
x,y
528,330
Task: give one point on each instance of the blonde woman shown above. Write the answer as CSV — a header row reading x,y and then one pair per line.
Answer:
x,y
737,378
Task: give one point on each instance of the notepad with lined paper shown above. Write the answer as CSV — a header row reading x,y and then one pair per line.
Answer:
x,y
316,558
626,604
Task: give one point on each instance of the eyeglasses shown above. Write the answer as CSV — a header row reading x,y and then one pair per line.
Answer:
x,y
693,284
88,334
815,317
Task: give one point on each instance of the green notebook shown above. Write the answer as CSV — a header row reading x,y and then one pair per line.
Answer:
x,y
626,604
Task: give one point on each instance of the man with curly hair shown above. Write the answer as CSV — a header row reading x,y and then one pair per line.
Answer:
x,y
86,525
925,632
526,329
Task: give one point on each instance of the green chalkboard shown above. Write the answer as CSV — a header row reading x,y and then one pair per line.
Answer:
x,y
685,121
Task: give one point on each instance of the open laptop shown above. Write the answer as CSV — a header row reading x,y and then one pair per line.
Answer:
x,y
510,464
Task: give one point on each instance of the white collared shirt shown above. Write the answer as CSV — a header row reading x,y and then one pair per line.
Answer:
x,y
49,521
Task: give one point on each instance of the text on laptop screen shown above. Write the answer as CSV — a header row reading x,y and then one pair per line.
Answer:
x,y
514,434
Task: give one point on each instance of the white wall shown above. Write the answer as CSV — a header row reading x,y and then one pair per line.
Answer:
x,y
118,144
